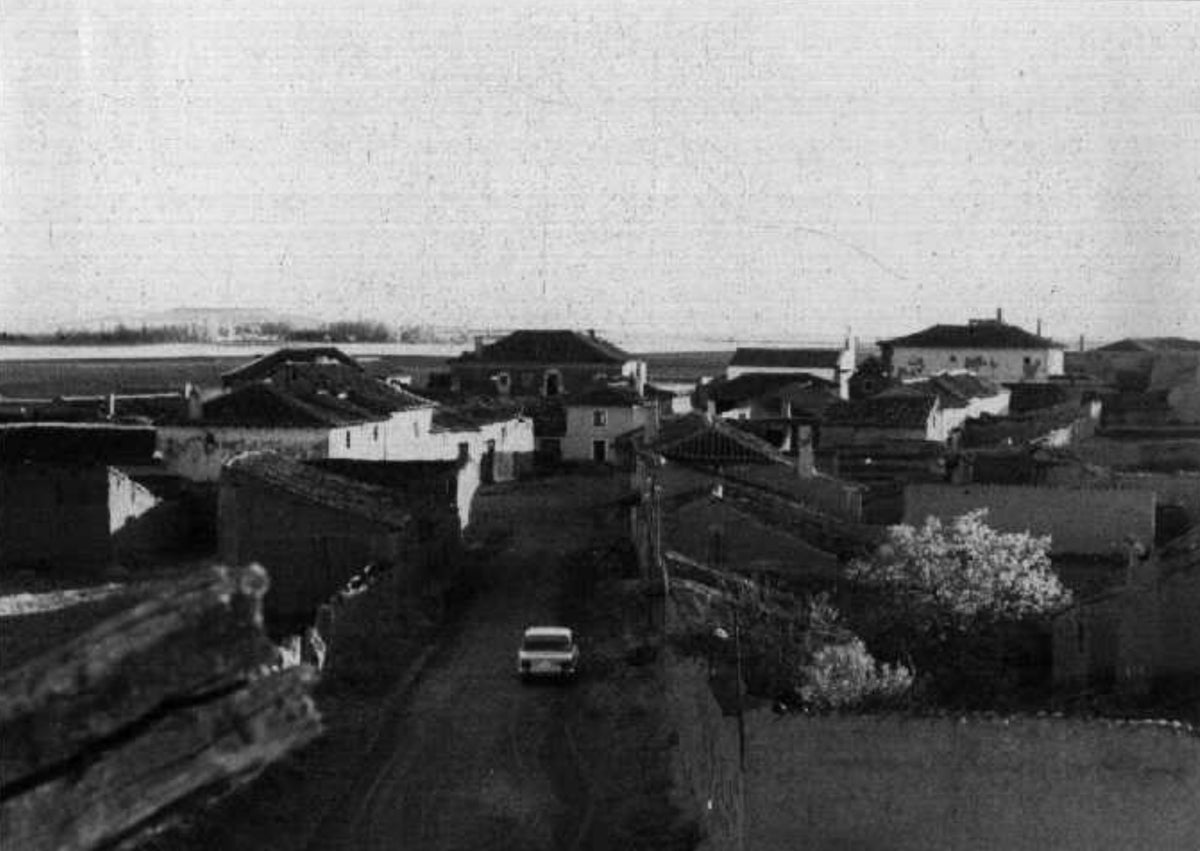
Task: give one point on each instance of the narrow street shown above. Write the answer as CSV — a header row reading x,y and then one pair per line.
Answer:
x,y
470,757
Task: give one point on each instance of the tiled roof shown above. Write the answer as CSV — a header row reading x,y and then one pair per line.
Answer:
x,y
480,410
987,334
711,440
758,385
1152,344
787,358
313,400
268,365
370,502
605,395
76,443
882,412
548,347
953,389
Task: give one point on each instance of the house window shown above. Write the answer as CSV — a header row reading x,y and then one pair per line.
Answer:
x,y
375,434
552,385
599,418
600,451
503,382
953,358
347,438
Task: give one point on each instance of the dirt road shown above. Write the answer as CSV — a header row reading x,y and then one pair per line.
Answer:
x,y
470,757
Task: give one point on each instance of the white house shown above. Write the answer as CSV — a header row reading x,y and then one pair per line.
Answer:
x,y
834,365
599,415
987,347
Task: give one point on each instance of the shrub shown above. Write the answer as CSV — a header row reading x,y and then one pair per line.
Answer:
x,y
846,676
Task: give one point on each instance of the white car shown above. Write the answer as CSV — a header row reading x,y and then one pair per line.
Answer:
x,y
548,651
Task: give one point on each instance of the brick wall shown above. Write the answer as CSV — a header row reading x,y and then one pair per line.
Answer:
x,y
1088,521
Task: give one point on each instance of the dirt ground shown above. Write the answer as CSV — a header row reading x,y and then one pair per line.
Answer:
x,y
461,754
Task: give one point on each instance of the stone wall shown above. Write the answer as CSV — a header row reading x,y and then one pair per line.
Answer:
x,y
1081,521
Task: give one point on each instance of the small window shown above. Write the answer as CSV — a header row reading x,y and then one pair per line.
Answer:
x,y
503,382
347,438
599,418
416,429
1028,360
375,434
953,358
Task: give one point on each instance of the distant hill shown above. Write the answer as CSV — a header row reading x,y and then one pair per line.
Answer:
x,y
203,316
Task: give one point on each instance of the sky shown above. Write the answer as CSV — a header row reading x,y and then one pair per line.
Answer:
x,y
749,168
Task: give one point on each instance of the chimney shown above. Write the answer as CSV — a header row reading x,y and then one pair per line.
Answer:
x,y
999,315
478,343
710,410
591,333
1039,326
195,408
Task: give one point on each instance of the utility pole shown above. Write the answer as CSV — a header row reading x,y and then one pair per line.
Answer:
x,y
741,717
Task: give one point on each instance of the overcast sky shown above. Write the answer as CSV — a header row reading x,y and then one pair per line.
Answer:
x,y
782,168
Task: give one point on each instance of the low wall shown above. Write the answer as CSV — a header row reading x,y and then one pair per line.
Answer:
x,y
1084,520
1165,455
897,783
705,773
1181,489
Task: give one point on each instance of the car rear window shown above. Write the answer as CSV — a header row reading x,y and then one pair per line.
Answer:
x,y
546,642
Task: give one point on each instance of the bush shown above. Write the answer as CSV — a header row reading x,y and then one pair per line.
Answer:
x,y
846,676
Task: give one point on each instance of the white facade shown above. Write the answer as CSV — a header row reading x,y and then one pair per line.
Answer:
x,y
1000,365
591,430
197,452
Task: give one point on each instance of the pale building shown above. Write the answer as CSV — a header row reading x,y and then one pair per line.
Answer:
x,y
990,348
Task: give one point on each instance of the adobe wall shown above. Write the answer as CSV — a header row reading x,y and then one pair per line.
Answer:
x,y
706,777
1083,521
54,515
309,551
186,450
1182,489
1179,602
899,783
1149,454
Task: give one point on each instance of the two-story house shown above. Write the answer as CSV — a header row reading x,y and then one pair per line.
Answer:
x,y
597,416
548,364
990,348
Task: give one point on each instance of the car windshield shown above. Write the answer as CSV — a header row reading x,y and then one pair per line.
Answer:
x,y
547,642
